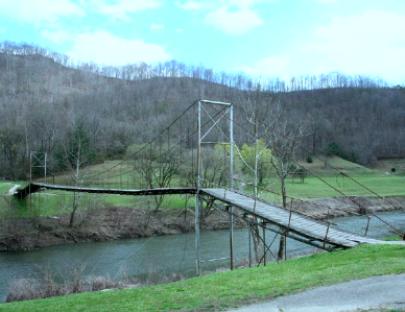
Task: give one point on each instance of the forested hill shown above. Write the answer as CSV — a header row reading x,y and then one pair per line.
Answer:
x,y
44,104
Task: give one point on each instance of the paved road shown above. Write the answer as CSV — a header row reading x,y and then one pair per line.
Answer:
x,y
381,291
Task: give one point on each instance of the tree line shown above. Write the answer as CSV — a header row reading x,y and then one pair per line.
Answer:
x,y
49,105
175,69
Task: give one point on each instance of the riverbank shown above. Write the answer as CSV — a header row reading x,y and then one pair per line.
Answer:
x,y
217,291
100,225
103,224
331,207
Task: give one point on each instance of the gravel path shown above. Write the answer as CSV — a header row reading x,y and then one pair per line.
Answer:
x,y
374,292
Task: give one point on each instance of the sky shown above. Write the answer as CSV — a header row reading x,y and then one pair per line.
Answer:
x,y
262,38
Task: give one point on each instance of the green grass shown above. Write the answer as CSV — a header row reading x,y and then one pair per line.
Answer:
x,y
392,238
321,164
385,185
232,288
55,203
388,164
381,182
58,203
4,187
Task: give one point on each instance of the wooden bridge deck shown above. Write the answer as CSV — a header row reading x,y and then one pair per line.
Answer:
x,y
296,223
37,186
299,226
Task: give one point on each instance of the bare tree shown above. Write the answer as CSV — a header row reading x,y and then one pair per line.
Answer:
x,y
77,154
285,135
157,166
256,111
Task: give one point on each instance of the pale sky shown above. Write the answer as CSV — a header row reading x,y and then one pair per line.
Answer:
x,y
263,38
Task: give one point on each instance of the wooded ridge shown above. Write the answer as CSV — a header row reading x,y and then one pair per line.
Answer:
x,y
47,106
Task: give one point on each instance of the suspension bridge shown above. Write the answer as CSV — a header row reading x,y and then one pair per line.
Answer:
x,y
153,166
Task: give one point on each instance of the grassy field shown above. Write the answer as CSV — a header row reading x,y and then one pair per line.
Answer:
x,y
392,185
228,289
58,203
51,203
379,179
389,164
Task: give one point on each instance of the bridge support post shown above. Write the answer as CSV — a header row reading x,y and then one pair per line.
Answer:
x,y
264,244
285,246
326,235
367,226
197,196
30,182
231,230
197,232
250,244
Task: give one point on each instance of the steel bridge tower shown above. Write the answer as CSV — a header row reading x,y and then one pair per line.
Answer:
x,y
213,122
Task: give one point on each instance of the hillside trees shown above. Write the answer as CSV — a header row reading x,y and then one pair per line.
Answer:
x,y
38,93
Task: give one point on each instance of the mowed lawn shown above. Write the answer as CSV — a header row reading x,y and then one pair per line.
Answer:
x,y
385,185
219,291
117,175
379,180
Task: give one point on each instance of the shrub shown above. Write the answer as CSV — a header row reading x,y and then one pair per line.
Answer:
x,y
28,289
100,282
23,289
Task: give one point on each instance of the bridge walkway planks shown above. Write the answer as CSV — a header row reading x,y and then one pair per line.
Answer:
x,y
37,186
297,223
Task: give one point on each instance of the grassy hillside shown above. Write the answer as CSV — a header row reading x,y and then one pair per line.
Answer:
x,y
232,288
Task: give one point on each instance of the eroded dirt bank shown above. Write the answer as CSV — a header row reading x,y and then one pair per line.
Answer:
x,y
119,223
344,206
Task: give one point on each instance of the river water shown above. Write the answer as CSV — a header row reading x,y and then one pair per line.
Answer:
x,y
158,256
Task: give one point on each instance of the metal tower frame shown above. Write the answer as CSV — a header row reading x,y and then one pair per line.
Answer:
x,y
201,136
34,157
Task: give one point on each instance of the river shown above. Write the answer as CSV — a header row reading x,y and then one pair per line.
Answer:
x,y
157,256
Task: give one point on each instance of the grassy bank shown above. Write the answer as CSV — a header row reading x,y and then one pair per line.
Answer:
x,y
229,289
